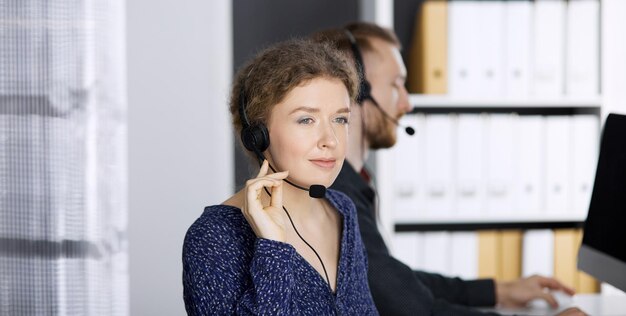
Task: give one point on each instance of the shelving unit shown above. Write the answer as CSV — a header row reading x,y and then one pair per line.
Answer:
x,y
441,236
612,77
403,18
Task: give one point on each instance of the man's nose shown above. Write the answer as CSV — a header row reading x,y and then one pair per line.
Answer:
x,y
404,104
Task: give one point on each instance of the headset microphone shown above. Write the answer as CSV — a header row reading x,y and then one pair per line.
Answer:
x,y
317,191
408,129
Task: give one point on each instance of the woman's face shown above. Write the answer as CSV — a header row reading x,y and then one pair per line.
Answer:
x,y
308,132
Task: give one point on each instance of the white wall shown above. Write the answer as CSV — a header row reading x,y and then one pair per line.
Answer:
x,y
180,144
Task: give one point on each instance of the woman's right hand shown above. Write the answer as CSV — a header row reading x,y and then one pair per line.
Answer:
x,y
266,222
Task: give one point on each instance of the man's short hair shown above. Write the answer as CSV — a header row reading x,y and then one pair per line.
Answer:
x,y
363,32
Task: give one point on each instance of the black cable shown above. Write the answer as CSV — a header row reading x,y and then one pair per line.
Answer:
x,y
286,180
301,238
261,158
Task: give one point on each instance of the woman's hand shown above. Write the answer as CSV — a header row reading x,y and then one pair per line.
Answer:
x,y
266,222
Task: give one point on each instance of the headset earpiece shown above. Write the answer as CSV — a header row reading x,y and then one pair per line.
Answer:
x,y
255,138
365,90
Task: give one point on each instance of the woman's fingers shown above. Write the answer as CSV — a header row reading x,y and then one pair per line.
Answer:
x,y
266,221
255,186
254,190
277,196
263,170
278,175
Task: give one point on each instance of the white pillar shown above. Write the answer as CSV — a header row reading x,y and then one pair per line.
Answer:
x,y
180,143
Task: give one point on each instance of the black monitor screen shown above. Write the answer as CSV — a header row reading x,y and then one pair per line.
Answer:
x,y
605,228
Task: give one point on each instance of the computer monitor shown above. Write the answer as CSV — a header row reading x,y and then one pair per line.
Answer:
x,y
603,250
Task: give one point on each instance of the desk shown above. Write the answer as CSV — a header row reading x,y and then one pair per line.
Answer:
x,y
592,304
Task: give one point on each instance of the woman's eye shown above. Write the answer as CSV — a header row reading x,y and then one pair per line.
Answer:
x,y
306,120
342,120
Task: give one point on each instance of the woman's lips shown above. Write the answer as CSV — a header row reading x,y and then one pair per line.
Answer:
x,y
324,163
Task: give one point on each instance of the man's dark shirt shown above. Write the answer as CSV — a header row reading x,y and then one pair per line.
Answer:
x,y
398,290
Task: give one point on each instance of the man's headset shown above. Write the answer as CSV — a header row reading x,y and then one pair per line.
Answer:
x,y
256,138
365,88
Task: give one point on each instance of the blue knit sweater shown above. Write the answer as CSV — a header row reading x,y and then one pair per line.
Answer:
x,y
228,270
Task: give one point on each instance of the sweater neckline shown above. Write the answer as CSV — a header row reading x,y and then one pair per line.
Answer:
x,y
331,197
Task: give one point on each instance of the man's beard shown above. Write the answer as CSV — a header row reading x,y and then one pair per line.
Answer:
x,y
380,132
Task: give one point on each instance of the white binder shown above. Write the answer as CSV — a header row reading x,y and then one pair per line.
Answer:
x,y
470,187
585,145
463,50
500,167
613,51
558,162
419,241
436,256
409,185
583,48
530,148
490,45
548,48
405,248
517,31
464,255
439,165
538,252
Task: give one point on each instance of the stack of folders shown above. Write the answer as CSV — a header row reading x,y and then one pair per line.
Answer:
x,y
495,167
506,48
491,168
480,168
499,254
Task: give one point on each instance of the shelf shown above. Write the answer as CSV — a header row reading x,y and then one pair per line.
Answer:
x,y
473,226
477,223
444,101
494,218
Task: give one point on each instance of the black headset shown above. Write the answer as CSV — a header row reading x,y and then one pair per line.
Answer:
x,y
255,138
365,88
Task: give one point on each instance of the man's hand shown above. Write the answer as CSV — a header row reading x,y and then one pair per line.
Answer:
x,y
573,311
518,293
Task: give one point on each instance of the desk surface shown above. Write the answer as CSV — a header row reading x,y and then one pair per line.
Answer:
x,y
592,304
